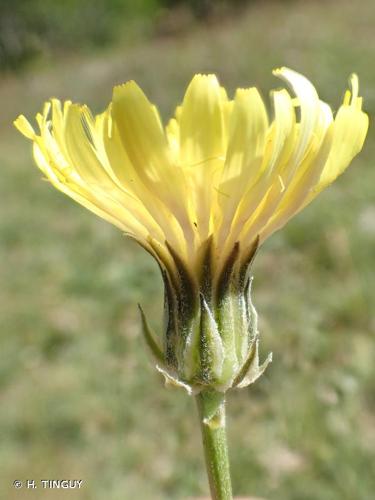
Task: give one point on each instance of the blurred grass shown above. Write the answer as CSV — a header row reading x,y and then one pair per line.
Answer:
x,y
79,396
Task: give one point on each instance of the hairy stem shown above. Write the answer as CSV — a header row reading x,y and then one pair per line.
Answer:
x,y
211,408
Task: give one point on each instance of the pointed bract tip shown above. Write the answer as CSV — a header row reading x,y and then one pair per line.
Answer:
x,y
150,338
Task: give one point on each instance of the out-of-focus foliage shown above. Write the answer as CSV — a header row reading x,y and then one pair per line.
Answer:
x,y
32,27
29,27
203,9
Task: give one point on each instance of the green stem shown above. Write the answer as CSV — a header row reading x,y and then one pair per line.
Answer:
x,y
211,408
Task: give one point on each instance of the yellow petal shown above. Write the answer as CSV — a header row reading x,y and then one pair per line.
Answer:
x,y
292,186
80,148
309,102
350,131
248,125
125,216
285,131
281,141
296,194
201,121
23,125
140,131
133,181
146,146
202,146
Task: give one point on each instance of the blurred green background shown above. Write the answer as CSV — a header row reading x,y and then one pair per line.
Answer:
x,y
79,395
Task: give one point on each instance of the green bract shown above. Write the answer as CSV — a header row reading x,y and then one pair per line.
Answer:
x,y
211,331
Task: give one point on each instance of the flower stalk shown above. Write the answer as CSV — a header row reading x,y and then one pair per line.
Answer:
x,y
211,409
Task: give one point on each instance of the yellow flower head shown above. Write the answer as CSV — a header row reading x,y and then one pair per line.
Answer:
x,y
203,192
